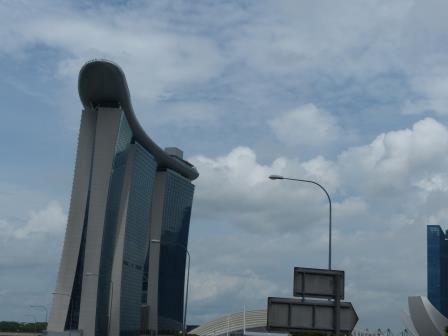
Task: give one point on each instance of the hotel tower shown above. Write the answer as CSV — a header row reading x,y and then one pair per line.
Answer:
x,y
123,262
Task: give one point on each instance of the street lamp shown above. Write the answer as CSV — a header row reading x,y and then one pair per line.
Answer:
x,y
157,241
110,298
279,177
41,307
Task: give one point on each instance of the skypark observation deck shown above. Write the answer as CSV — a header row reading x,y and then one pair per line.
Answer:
x,y
103,83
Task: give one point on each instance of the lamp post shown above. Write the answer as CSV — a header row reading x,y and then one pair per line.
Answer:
x,y
41,307
110,298
279,177
157,241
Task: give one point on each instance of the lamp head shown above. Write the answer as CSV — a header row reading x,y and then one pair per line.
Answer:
x,y
276,177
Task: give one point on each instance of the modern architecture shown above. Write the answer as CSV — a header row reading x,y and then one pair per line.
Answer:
x,y
423,318
437,244
127,194
246,322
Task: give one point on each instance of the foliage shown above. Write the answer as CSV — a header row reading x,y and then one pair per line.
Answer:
x,y
308,333
312,333
12,326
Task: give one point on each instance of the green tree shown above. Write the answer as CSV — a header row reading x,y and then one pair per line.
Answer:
x,y
12,326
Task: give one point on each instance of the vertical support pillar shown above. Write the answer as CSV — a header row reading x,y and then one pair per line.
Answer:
x,y
117,266
75,222
154,250
337,317
108,123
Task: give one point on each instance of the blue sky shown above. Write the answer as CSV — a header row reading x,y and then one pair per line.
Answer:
x,y
352,94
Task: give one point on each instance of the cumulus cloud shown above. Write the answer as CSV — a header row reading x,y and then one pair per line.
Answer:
x,y
30,250
248,232
207,286
49,221
185,114
155,59
306,125
237,181
424,57
396,160
432,90
345,45
365,63
384,194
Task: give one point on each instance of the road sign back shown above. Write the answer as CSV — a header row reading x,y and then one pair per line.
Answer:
x,y
291,315
318,283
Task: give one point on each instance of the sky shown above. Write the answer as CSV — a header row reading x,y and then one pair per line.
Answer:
x,y
352,94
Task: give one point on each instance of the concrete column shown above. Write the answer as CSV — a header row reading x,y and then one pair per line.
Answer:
x,y
108,123
154,249
73,233
117,266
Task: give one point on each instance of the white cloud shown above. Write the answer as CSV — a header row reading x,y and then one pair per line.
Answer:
x,y
237,181
350,207
432,90
6,229
50,220
208,286
30,251
154,59
384,194
306,125
396,160
185,114
436,182
266,56
161,52
358,40
423,56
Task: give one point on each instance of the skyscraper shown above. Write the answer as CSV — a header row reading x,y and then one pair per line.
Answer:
x,y
438,268
127,193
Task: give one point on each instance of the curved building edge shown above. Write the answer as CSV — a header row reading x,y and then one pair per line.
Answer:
x,y
424,319
103,82
249,320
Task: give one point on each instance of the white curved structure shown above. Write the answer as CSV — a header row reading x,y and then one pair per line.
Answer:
x,y
250,320
409,326
425,319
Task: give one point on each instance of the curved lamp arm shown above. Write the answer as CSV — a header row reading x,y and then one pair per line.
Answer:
x,y
279,177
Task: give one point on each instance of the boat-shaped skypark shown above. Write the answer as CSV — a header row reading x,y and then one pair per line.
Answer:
x,y
123,263
103,83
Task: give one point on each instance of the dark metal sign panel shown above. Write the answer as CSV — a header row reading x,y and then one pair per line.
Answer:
x,y
318,283
289,315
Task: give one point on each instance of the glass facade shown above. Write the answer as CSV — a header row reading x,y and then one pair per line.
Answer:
x,y
105,285
174,239
177,202
136,236
137,224
437,268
